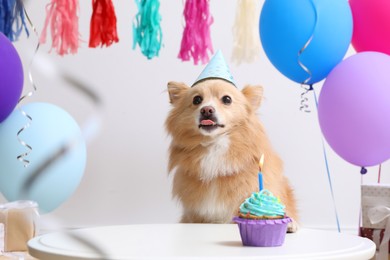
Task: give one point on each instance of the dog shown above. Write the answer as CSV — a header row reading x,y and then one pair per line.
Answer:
x,y
216,143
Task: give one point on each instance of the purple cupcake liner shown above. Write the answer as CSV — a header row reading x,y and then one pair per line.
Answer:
x,y
264,232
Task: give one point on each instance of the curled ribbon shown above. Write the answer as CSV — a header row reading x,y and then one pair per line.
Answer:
x,y
22,156
89,130
376,215
304,99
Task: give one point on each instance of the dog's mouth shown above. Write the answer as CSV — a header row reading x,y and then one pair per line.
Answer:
x,y
209,124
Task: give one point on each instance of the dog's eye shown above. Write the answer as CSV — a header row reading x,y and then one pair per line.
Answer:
x,y
226,100
197,100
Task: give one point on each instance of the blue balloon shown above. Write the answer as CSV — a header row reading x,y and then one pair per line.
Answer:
x,y
51,127
287,25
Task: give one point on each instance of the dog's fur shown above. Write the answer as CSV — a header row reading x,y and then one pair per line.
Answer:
x,y
216,156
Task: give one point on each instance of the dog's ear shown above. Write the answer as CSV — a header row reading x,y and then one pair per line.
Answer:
x,y
254,94
176,90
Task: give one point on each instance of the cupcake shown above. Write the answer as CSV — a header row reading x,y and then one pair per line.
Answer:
x,y
262,220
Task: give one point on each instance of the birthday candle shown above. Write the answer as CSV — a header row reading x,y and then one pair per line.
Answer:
x,y
261,162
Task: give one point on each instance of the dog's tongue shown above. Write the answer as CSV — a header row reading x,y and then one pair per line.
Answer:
x,y
207,122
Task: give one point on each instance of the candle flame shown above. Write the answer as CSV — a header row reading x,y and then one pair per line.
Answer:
x,y
261,162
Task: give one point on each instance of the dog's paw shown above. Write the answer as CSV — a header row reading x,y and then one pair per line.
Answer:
x,y
292,227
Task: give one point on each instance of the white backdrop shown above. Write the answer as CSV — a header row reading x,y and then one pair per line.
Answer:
x,y
126,178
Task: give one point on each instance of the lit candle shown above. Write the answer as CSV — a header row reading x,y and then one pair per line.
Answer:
x,y
261,162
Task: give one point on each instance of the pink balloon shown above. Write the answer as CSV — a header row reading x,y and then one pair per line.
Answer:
x,y
371,25
354,109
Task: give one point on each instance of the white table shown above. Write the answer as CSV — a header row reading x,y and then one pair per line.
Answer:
x,y
192,241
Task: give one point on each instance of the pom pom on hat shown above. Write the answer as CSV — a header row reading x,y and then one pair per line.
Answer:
x,y
216,69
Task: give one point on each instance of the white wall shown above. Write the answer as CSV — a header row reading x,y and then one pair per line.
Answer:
x,y
126,180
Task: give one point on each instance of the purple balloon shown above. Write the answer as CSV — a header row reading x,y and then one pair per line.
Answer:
x,y
354,109
11,77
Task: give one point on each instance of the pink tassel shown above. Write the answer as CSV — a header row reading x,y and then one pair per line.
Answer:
x,y
196,41
63,19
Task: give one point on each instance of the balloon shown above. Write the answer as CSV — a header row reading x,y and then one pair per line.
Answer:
x,y
51,127
11,77
354,109
286,26
371,25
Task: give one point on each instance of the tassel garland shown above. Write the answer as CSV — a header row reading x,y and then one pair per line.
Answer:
x,y
196,41
246,40
12,18
62,21
62,15
147,31
103,24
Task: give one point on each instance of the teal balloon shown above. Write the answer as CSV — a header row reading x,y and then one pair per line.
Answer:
x,y
51,127
286,27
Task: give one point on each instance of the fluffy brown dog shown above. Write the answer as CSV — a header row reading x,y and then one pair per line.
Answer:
x,y
217,140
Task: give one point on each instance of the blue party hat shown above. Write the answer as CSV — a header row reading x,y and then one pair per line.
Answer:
x,y
216,69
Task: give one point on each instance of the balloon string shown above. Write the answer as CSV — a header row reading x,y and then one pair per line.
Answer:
x,y
89,129
22,157
360,211
306,69
304,95
328,172
305,99
88,132
379,173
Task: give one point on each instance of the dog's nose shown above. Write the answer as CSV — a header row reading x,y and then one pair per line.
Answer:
x,y
207,111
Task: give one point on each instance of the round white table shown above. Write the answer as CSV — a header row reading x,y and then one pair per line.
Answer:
x,y
192,241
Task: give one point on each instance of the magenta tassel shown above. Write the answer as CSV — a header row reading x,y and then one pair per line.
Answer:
x,y
196,41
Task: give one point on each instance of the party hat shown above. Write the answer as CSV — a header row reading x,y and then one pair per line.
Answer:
x,y
216,69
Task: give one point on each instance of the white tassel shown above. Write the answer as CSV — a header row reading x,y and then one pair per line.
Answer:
x,y
246,39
